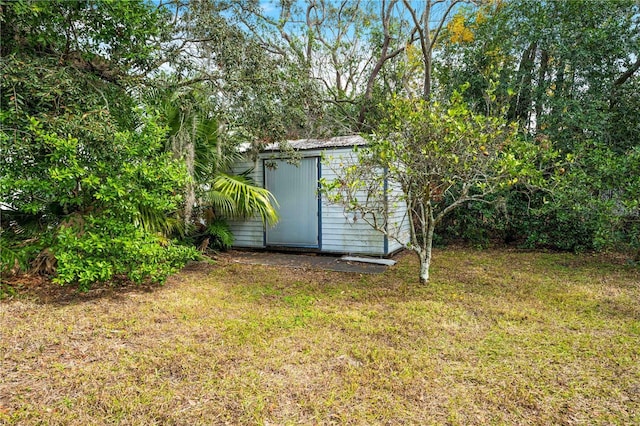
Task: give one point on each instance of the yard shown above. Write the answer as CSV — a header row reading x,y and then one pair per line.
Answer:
x,y
498,336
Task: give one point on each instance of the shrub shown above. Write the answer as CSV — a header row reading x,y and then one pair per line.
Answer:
x,y
220,234
101,249
98,213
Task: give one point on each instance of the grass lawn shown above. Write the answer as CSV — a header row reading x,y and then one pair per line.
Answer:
x,y
498,337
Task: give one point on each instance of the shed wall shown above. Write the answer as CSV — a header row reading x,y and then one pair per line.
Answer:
x,y
398,222
249,233
345,232
341,232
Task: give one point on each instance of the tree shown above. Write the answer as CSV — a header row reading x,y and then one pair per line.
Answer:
x,y
83,169
443,156
429,24
255,94
328,43
570,75
561,66
356,50
196,137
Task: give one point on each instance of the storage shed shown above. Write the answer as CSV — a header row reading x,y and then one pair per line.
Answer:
x,y
307,220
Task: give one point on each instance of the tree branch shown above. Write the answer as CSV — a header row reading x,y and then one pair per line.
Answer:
x,y
627,74
441,23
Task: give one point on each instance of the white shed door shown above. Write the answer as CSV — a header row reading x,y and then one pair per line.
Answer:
x,y
296,190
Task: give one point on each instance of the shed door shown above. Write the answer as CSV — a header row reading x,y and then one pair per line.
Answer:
x,y
295,189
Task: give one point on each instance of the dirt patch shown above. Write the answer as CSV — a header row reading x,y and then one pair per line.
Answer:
x,y
303,261
42,290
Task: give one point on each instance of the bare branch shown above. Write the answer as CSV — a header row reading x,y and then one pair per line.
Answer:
x,y
442,22
627,74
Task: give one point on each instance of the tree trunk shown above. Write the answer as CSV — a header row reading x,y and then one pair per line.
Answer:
x,y
426,94
540,89
427,48
521,105
189,202
190,190
425,263
425,251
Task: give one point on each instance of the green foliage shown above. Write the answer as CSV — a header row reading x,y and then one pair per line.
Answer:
x,y
221,235
12,258
256,92
59,176
595,208
197,137
568,73
237,196
442,156
446,155
102,229
108,38
86,173
478,224
531,220
21,240
100,249
582,213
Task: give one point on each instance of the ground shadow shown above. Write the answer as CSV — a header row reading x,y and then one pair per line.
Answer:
x,y
304,260
41,290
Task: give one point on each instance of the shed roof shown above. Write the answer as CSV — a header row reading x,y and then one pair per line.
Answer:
x,y
307,144
336,142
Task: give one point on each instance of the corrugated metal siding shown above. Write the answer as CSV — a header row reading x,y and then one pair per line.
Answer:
x,y
249,232
398,223
295,188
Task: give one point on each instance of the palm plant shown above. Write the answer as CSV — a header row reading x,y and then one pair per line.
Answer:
x,y
196,137
238,196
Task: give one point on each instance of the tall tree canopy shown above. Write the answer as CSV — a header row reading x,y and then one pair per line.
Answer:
x,y
84,174
569,72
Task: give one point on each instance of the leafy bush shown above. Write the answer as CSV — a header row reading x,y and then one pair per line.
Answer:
x,y
594,207
531,220
92,189
220,234
98,220
560,223
478,224
101,249
21,240
12,259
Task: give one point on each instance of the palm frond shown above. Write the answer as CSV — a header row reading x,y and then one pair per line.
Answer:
x,y
156,221
222,203
207,153
12,259
221,234
249,200
195,136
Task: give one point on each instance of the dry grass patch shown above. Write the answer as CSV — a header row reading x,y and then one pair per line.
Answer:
x,y
499,337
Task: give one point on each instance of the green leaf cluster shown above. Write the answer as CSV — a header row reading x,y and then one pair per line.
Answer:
x,y
568,73
445,152
90,189
100,249
97,217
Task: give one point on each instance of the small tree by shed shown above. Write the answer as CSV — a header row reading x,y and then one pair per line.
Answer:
x,y
442,156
